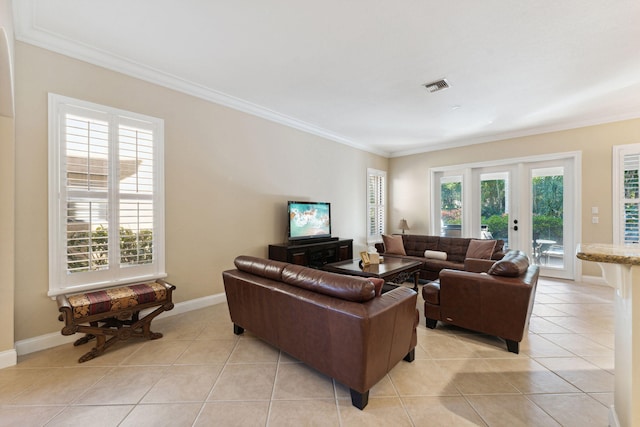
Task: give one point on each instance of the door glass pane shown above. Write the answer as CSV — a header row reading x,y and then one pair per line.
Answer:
x,y
547,192
451,206
494,214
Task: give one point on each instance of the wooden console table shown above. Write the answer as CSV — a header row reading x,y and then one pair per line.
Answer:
x,y
313,254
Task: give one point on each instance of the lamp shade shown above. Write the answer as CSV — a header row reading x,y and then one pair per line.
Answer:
x,y
403,225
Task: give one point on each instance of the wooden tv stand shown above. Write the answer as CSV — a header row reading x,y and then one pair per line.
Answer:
x,y
313,253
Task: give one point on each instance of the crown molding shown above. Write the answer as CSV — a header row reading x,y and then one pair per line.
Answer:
x,y
27,31
461,142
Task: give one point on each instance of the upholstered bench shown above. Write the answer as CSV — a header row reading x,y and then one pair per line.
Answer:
x,y
114,312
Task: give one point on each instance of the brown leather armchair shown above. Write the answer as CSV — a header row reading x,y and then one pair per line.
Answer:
x,y
496,302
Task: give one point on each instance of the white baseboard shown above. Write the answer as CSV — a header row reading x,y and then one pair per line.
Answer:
x,y
55,339
8,358
594,280
613,417
43,342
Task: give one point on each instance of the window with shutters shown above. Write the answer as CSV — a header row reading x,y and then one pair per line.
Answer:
x,y
376,201
106,224
626,194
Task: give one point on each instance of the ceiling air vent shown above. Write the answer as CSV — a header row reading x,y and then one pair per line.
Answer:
x,y
436,86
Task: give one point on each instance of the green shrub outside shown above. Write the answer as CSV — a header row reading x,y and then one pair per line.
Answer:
x,y
89,250
544,227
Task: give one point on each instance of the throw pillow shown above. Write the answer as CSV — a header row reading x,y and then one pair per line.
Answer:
x,y
393,245
482,249
435,255
377,283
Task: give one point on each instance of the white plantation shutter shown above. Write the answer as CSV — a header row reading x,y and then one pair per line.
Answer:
x,y
136,195
376,201
106,196
631,202
85,166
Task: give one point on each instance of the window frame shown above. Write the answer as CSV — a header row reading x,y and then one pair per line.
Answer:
x,y
60,281
378,206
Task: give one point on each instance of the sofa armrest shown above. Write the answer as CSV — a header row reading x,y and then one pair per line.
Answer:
x,y
357,344
389,325
477,265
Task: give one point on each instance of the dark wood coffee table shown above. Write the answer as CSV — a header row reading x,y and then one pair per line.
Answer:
x,y
396,270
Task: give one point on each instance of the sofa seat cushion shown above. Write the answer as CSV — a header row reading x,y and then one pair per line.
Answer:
x,y
114,299
438,264
431,293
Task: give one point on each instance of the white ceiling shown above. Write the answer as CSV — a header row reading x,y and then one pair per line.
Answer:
x,y
353,70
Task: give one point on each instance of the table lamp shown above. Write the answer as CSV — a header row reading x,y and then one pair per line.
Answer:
x,y
403,225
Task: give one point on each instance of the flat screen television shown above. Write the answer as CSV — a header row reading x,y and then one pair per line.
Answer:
x,y
309,220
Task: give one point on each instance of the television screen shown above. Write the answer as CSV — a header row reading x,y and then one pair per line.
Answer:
x,y
309,220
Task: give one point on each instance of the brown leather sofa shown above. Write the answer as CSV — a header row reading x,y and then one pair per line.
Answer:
x,y
340,325
496,302
456,248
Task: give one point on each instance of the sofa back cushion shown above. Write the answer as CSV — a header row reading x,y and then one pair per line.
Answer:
x,y
350,288
455,247
416,245
513,264
260,267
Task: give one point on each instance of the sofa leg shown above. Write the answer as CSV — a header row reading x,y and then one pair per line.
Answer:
x,y
513,346
431,323
359,400
410,357
238,330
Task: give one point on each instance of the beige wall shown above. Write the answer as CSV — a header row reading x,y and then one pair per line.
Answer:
x,y
228,176
410,188
7,184
6,233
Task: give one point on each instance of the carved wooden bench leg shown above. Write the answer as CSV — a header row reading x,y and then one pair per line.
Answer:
x,y
95,351
88,337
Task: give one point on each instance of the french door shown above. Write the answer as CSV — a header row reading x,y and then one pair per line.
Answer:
x,y
530,204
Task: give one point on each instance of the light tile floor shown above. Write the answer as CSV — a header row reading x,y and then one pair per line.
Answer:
x,y
201,374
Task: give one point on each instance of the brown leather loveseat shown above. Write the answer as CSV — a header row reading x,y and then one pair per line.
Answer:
x,y
496,302
339,325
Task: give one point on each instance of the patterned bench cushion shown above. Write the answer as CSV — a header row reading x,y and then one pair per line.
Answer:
x,y
114,299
